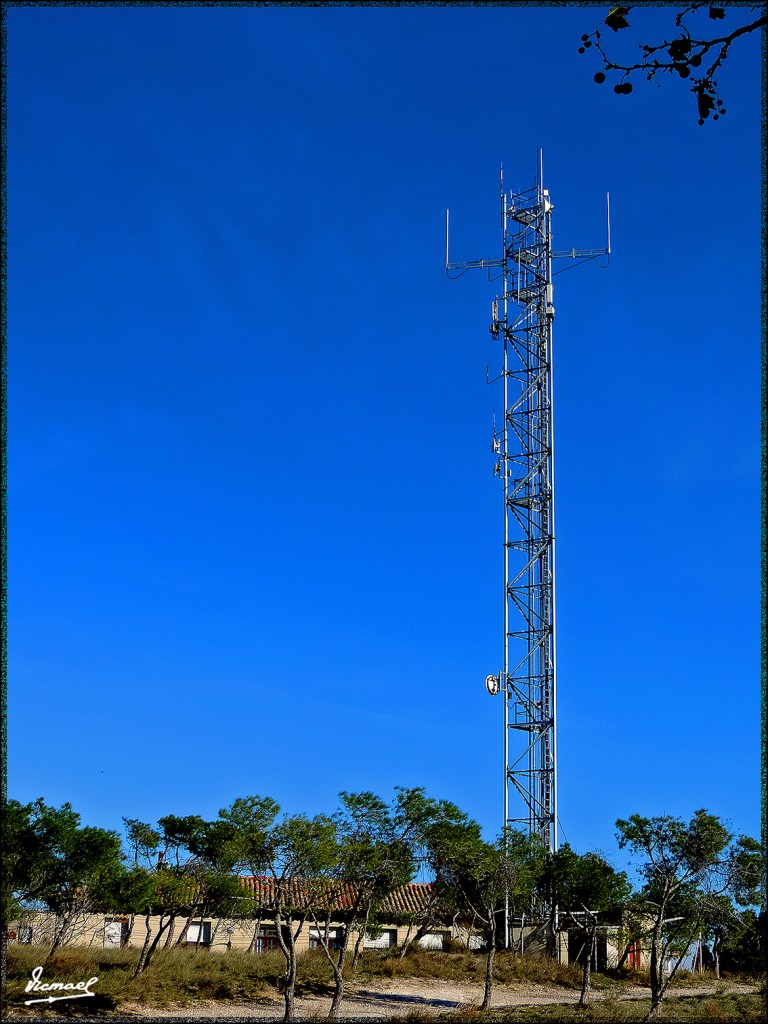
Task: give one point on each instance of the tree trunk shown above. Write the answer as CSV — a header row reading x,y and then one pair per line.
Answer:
x,y
657,972
337,965
58,935
183,933
420,932
623,958
149,948
406,941
488,993
254,943
290,982
586,979
360,939
338,974
143,954
287,941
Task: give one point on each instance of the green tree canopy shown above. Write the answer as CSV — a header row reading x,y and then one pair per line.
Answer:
x,y
685,867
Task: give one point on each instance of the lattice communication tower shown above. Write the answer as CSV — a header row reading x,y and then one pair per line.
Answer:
x,y
522,317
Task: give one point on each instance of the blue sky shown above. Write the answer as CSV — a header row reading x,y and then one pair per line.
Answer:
x,y
254,533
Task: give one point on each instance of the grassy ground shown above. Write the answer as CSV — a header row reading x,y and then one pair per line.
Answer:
x,y
177,975
184,975
462,966
676,1010
188,975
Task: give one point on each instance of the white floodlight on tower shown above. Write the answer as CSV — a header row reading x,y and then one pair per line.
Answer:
x,y
522,316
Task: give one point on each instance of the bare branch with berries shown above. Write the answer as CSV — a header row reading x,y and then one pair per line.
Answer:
x,y
683,55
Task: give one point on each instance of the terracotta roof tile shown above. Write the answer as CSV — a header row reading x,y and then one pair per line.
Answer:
x,y
340,896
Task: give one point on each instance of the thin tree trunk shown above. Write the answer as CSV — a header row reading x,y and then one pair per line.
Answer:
x,y
358,950
58,936
488,993
657,973
338,974
337,965
406,940
623,958
290,982
253,943
420,932
143,954
360,939
149,948
586,979
183,933
289,952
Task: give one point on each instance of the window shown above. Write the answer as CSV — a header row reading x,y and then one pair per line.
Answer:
x,y
266,938
25,933
199,934
335,938
115,932
385,940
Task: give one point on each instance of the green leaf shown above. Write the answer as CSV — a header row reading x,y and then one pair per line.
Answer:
x,y
617,18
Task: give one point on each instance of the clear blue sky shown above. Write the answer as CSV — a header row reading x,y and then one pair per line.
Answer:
x,y
254,532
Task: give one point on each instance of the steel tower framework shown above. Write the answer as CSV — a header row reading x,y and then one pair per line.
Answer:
x,y
522,318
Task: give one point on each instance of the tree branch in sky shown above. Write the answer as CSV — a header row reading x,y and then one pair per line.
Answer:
x,y
688,51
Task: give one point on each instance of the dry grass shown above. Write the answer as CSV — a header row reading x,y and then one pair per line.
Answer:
x,y
469,967
173,975
749,1009
185,975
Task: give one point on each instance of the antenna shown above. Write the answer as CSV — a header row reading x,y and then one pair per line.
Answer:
x,y
608,221
522,318
501,193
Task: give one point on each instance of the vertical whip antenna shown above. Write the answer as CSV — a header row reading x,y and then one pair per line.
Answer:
x,y
608,221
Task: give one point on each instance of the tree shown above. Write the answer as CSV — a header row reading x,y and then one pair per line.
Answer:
x,y
187,872
434,829
581,887
156,888
300,850
744,949
251,819
51,861
685,867
486,876
211,855
373,857
694,54
162,893
728,918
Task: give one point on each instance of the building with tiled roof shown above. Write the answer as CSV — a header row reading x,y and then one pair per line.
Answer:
x,y
397,920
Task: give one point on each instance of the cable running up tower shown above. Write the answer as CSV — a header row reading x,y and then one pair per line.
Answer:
x,y
522,318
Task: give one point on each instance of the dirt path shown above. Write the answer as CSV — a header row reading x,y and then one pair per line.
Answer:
x,y
383,999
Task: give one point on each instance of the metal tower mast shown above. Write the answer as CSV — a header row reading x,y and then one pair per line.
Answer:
x,y
522,317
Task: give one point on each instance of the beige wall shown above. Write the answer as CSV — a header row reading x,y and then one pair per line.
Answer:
x,y
92,930
89,930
